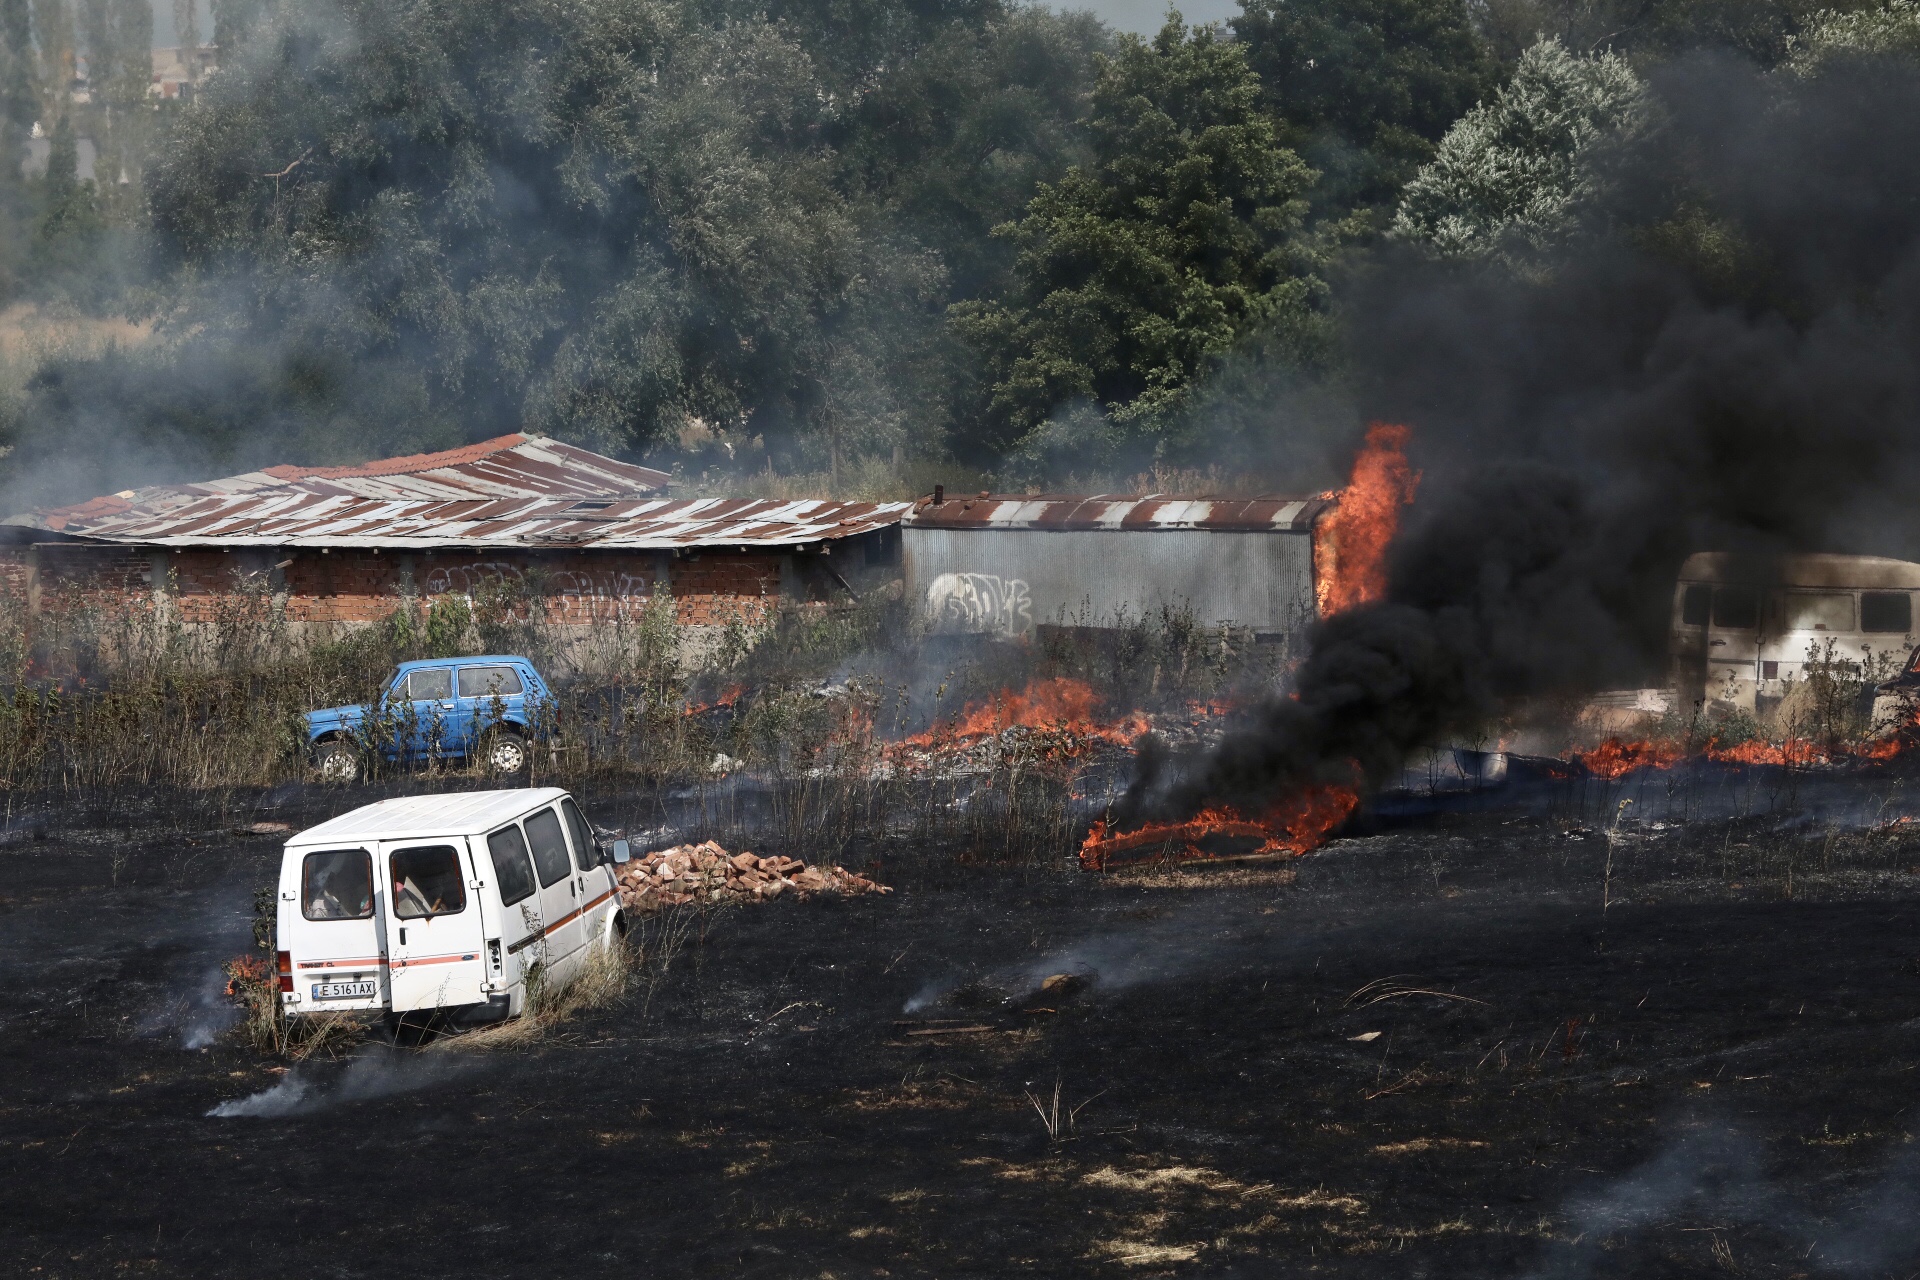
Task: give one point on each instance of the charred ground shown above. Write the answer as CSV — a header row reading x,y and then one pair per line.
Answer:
x,y
1702,1059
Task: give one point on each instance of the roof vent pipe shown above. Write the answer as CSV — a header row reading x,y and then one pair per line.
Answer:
x,y
939,494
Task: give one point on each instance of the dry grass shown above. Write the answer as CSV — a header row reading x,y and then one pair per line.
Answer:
x,y
252,984
602,979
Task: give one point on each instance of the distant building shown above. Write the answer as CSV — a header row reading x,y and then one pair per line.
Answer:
x,y
1011,564
583,538
177,71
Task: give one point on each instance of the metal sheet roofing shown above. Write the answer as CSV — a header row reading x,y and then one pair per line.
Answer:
x,y
510,466
1270,513
279,518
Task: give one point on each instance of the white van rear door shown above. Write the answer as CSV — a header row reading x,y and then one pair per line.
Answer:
x,y
436,954
329,928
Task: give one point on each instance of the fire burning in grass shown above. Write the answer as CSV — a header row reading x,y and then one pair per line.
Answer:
x,y
1059,704
1616,758
1298,824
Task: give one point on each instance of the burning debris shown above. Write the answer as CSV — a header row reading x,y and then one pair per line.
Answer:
x,y
708,873
1298,825
1350,543
1299,760
1058,717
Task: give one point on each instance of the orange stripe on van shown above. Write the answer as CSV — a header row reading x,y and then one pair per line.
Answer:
x,y
342,964
561,923
452,958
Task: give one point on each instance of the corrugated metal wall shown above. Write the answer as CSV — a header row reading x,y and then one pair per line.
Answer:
x,y
1008,581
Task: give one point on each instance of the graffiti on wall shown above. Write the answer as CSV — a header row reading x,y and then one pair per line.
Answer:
x,y
597,595
979,604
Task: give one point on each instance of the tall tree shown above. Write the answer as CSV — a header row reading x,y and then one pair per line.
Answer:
x,y
1139,269
19,92
1514,175
129,119
1365,88
53,38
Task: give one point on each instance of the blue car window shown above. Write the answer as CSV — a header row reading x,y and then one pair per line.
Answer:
x,y
430,684
487,682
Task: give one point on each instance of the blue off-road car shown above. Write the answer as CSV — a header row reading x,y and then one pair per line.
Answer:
x,y
491,709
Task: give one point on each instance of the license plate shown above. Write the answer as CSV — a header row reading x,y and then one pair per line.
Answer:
x,y
345,990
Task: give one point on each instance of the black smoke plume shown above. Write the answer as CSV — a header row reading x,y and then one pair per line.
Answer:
x,y
1728,360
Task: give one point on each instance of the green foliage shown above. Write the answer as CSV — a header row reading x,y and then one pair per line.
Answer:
x,y
1365,88
1834,38
387,227
1513,176
1650,29
1139,269
70,224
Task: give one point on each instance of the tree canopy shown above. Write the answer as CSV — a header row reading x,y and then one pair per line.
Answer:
x,y
751,241
1176,239
1365,88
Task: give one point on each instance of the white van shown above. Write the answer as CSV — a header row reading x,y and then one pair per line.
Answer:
x,y
442,903
1744,626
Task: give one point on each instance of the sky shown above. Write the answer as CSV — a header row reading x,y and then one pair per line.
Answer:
x,y
1146,16
1143,16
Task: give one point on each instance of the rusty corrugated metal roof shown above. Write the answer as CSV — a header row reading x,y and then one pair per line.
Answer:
x,y
282,518
1269,513
510,466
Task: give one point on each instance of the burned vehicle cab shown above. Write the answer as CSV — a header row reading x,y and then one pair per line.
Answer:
x,y
1745,629
441,905
494,708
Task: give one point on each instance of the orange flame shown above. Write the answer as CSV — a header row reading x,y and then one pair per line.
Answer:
x,y
726,699
1350,542
1058,703
1297,825
1615,758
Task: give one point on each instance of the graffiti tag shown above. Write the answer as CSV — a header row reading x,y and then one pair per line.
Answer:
x,y
979,603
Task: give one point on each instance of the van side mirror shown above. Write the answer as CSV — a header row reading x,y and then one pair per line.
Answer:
x,y
622,851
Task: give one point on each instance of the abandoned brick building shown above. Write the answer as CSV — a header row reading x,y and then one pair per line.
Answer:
x,y
589,538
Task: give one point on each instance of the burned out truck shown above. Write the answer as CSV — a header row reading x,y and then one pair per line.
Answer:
x,y
1745,629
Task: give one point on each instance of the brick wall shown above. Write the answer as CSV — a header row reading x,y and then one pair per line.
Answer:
x,y
719,588
103,578
351,586
16,568
341,585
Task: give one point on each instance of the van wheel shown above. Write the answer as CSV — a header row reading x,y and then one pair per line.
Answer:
x,y
337,761
505,753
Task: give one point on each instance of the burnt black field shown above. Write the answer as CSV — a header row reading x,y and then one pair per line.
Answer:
x,y
1676,1048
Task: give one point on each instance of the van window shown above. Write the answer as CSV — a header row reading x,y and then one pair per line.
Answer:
x,y
584,854
510,866
1696,605
427,882
337,885
549,846
486,682
1886,611
1805,611
430,685
1736,607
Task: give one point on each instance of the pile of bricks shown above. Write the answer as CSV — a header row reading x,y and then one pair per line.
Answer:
x,y
707,873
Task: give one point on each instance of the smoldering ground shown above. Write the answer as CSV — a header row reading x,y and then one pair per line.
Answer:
x,y
1447,1049
375,1072
1725,357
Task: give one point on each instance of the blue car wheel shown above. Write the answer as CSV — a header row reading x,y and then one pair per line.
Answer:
x,y
337,761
